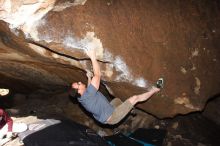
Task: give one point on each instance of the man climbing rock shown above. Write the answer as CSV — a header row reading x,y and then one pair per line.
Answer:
x,y
97,104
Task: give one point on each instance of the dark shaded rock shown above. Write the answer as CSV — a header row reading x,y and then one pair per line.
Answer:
x,y
211,110
189,130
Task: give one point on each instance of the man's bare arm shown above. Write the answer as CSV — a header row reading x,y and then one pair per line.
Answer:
x,y
96,69
89,76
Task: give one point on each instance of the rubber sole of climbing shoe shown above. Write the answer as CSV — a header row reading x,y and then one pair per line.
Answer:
x,y
160,83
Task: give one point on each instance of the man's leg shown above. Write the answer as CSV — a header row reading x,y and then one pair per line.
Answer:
x,y
122,110
143,97
116,102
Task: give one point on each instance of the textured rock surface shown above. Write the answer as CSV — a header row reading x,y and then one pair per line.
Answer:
x,y
191,130
211,110
42,46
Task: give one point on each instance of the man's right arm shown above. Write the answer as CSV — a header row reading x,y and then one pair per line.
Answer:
x,y
96,69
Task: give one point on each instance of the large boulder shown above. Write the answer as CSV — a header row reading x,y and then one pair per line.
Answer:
x,y
43,45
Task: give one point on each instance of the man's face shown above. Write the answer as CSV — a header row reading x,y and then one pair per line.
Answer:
x,y
79,86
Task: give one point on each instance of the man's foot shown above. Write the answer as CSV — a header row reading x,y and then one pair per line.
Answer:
x,y
160,83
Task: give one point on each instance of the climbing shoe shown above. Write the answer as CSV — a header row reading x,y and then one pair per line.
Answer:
x,y
160,83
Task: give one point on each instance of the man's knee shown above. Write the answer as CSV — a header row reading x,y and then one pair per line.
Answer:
x,y
116,102
112,121
135,96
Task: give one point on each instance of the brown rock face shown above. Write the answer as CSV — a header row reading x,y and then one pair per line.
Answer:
x,y
43,43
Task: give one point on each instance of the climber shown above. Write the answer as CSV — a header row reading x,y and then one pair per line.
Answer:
x,y
8,129
97,104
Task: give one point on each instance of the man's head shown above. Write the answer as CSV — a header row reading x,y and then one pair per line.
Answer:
x,y
78,88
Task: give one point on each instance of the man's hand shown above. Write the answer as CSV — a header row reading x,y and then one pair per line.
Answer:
x,y
91,53
89,74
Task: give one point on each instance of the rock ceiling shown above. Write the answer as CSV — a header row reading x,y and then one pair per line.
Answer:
x,y
42,46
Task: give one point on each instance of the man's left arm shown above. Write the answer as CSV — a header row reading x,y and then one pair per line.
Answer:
x,y
96,69
89,77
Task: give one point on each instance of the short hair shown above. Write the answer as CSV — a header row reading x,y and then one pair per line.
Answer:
x,y
74,93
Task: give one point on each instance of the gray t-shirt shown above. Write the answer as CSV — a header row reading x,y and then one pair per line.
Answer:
x,y
96,103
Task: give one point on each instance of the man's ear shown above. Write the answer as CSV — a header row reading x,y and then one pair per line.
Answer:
x,y
73,92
